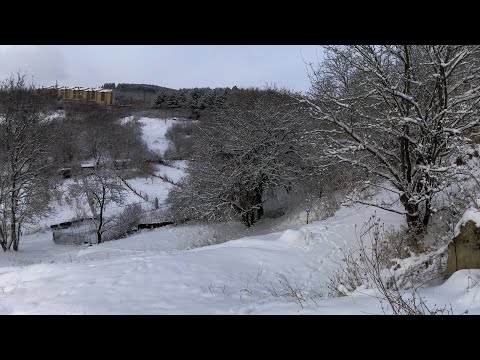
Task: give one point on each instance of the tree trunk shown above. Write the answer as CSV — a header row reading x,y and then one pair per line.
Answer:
x,y
17,238
100,217
3,240
257,201
246,219
99,228
428,213
13,223
414,222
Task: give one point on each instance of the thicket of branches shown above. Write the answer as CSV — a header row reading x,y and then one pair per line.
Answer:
x,y
98,135
101,189
403,113
251,145
180,136
378,263
25,165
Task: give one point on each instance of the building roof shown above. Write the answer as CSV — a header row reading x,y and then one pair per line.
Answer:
x,y
76,88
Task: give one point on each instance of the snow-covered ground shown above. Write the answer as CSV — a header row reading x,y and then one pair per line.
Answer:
x,y
167,172
154,272
151,186
153,132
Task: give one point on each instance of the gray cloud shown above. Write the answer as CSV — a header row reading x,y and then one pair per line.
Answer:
x,y
42,62
175,66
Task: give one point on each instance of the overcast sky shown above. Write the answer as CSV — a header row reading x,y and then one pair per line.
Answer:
x,y
179,66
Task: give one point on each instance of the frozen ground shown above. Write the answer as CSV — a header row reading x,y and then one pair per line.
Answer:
x,y
153,132
151,186
172,173
154,272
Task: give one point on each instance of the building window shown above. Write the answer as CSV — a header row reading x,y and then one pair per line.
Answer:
x,y
92,95
102,96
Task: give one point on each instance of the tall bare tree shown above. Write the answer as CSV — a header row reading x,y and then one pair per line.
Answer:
x,y
401,112
250,146
101,188
23,161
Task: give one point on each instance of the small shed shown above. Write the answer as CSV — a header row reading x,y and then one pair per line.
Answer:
x,y
123,164
75,232
88,168
66,173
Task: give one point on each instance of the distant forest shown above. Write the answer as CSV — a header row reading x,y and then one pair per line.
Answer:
x,y
193,101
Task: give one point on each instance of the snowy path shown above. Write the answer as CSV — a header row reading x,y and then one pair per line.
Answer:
x,y
153,133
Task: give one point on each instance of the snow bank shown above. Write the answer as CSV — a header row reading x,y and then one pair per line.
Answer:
x,y
471,214
153,272
293,237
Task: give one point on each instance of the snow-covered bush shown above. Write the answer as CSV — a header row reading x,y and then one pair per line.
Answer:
x,y
126,221
453,203
218,237
181,141
384,263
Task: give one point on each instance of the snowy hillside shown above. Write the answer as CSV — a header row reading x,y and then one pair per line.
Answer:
x,y
154,130
145,189
154,273
163,271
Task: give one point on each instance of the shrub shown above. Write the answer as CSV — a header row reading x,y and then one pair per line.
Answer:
x,y
381,265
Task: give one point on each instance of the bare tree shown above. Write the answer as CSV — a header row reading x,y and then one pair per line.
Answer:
x,y
66,149
248,147
23,160
96,139
402,113
101,136
101,188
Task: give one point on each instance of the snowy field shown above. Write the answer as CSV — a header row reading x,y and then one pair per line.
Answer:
x,y
171,173
155,272
153,132
153,187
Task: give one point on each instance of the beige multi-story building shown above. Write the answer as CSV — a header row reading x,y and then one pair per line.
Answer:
x,y
80,94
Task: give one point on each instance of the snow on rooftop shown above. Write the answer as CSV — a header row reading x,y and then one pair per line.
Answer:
x,y
76,88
